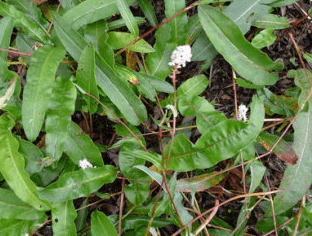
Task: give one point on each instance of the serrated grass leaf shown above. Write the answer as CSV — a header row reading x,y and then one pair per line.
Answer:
x,y
38,88
62,105
79,183
13,168
229,41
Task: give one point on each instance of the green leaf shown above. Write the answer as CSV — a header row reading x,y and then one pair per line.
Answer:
x,y
31,27
72,185
90,11
12,167
121,22
11,207
62,105
115,88
6,26
297,178
243,13
63,219
257,172
148,11
193,86
177,24
218,143
206,115
246,84
272,21
265,38
101,225
127,15
119,40
85,77
229,41
157,62
80,146
281,3
10,227
38,88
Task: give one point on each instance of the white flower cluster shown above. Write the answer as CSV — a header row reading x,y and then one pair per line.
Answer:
x,y
85,164
242,112
180,56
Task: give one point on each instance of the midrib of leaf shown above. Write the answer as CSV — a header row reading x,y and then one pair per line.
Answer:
x,y
234,46
248,9
125,10
201,81
46,62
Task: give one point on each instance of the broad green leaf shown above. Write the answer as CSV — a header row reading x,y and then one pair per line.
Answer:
x,y
12,167
218,143
101,225
80,146
229,41
63,219
157,62
38,88
272,21
246,84
10,227
90,11
148,11
199,183
206,115
11,207
194,29
72,185
21,19
115,88
127,15
146,156
257,172
243,13
178,24
6,26
193,86
119,40
85,77
137,191
62,105
265,38
297,178
135,222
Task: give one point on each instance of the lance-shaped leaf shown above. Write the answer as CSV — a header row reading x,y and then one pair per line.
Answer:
x,y
63,218
38,88
101,225
72,185
80,146
218,143
62,105
6,26
127,15
13,167
11,207
85,77
90,11
297,178
229,41
9,227
148,11
177,24
35,30
114,87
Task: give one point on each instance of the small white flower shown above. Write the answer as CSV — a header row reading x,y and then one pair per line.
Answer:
x,y
180,56
85,164
242,112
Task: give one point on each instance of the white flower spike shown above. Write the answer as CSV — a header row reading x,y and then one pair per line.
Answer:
x,y
85,164
180,56
242,112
